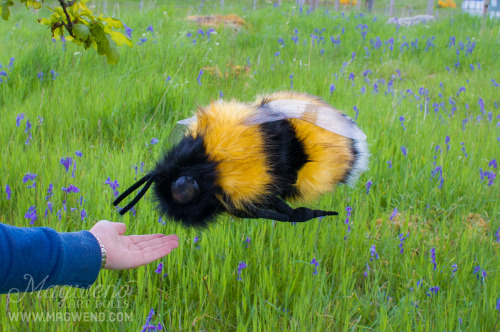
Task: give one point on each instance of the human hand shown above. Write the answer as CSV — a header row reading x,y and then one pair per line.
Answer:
x,y
130,251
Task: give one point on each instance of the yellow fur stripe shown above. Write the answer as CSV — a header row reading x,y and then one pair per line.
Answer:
x,y
330,154
238,149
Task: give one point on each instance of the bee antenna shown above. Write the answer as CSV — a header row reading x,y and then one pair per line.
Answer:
x,y
149,179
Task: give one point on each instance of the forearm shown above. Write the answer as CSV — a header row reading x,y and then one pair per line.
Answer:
x,y
39,257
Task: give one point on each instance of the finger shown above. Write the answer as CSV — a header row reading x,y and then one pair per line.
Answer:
x,y
157,254
172,244
136,239
119,227
151,243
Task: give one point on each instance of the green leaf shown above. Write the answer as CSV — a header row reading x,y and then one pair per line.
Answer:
x,y
34,4
97,30
81,32
5,9
120,38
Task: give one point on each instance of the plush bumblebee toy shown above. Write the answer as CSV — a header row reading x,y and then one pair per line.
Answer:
x,y
246,159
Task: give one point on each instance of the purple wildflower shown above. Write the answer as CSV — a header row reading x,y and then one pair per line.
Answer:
x,y
432,290
30,177
31,214
150,29
66,162
78,153
71,189
241,266
199,76
148,326
402,238
493,163
49,208
54,74
332,88
154,141
498,305
40,76
454,269
433,257
159,269
83,214
49,191
367,270
403,149
316,264
368,185
19,117
161,221
402,119
373,253
497,234
142,41
196,239
389,163
348,210
128,31
394,213
291,81
248,241
480,272
8,191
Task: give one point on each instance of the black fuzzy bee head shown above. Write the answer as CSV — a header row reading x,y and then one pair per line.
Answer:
x,y
185,187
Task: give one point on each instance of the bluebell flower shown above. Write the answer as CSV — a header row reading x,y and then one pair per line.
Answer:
x,y
389,163
394,214
316,264
54,74
128,31
83,214
433,258
31,214
368,185
332,88
70,189
373,253
142,40
199,76
241,266
40,76
154,141
159,269
19,117
367,270
8,191
403,150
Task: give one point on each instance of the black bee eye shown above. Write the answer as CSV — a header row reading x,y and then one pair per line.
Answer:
x,y
185,190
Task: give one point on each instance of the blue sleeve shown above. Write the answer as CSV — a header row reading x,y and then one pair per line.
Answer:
x,y
37,258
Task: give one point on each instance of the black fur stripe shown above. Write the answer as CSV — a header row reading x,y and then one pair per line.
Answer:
x,y
286,156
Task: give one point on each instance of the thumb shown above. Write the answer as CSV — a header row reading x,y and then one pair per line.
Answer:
x,y
119,227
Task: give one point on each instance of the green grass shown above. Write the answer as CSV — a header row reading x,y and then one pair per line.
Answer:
x,y
110,112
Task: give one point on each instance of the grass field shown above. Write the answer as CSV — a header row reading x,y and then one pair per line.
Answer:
x,y
420,250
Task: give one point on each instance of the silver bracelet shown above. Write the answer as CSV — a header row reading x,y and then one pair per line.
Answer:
x,y
103,253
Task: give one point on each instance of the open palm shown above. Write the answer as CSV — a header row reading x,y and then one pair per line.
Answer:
x,y
128,252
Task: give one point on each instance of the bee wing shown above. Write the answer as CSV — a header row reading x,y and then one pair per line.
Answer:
x,y
325,117
177,134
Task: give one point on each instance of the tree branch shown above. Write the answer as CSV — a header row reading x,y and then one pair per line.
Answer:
x,y
69,25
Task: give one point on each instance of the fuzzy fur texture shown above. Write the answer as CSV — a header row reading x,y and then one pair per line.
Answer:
x,y
239,167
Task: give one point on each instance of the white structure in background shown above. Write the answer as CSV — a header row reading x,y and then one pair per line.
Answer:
x,y
475,7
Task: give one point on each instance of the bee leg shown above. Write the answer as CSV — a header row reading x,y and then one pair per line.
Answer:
x,y
301,214
262,213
